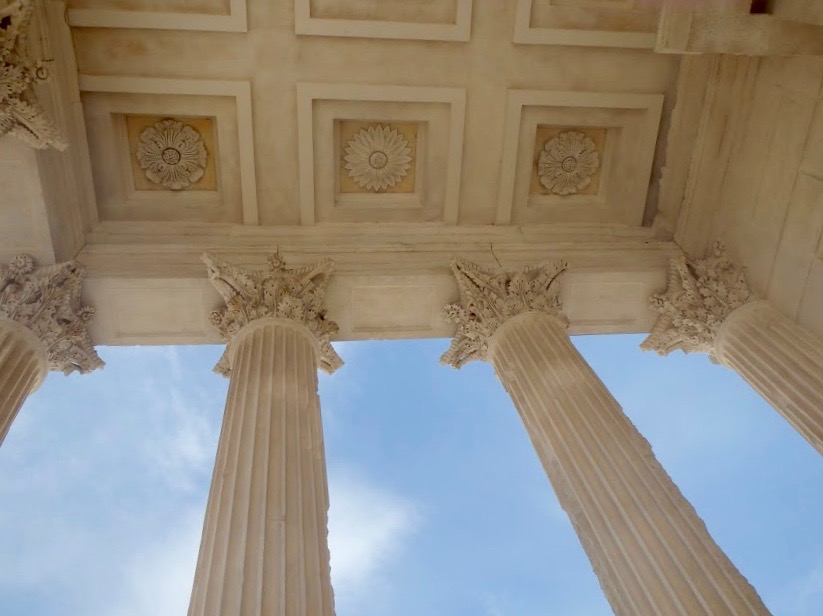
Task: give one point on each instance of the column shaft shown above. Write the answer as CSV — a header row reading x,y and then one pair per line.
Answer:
x,y
781,360
23,366
264,548
650,550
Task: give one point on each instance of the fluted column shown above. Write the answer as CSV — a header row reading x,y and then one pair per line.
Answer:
x,y
264,548
709,307
23,366
649,549
782,361
42,327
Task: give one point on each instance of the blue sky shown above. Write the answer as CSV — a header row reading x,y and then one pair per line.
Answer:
x,y
439,504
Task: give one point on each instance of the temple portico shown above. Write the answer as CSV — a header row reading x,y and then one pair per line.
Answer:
x,y
505,174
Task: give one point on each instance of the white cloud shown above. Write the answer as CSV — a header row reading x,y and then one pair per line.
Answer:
x,y
182,440
368,528
158,579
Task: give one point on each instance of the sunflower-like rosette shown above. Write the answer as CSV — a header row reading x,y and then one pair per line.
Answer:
x,y
377,158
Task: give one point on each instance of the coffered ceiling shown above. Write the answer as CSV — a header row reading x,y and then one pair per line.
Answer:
x,y
280,93
390,135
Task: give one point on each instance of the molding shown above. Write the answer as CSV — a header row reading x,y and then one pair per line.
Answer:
x,y
526,34
235,21
307,93
133,250
239,90
459,31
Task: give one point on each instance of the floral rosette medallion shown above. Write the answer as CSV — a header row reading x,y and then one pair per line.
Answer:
x,y
172,154
567,163
377,158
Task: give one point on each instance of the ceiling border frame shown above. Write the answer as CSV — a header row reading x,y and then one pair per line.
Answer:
x,y
235,21
459,31
240,91
525,34
517,100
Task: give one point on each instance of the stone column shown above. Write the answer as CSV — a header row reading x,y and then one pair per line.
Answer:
x,y
709,307
42,327
649,549
264,548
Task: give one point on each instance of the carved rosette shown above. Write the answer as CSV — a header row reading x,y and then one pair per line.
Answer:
x,y
700,295
20,112
46,300
567,163
172,154
377,158
279,292
488,299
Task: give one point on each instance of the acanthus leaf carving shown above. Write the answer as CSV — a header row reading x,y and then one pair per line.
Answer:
x,y
21,114
701,294
277,291
46,300
488,299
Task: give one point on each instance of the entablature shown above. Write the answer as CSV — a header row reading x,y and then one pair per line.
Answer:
x,y
390,281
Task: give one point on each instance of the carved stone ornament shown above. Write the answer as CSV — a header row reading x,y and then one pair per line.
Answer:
x,y
20,112
488,299
378,158
700,295
172,154
567,163
46,300
277,292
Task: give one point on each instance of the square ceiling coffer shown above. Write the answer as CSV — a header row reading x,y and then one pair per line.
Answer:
x,y
577,157
379,153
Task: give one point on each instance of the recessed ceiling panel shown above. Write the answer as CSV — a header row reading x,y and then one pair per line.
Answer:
x,y
577,157
436,20
597,23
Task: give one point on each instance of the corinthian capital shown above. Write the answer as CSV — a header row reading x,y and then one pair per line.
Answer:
x,y
279,292
46,300
700,295
488,299
20,113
